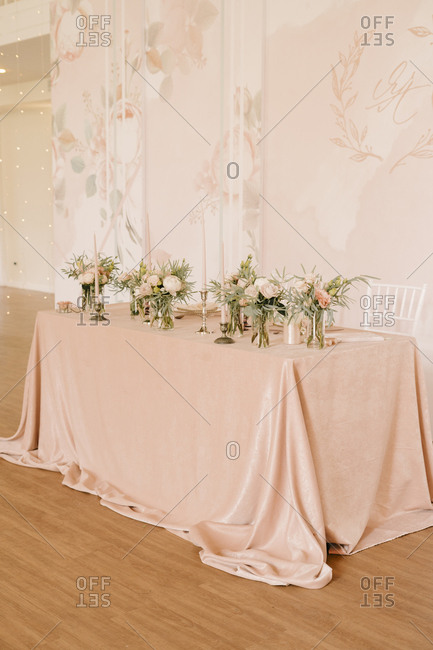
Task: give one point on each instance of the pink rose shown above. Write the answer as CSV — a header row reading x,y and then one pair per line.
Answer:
x,y
322,297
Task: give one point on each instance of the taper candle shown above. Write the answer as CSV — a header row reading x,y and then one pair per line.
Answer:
x,y
224,309
96,268
148,248
203,229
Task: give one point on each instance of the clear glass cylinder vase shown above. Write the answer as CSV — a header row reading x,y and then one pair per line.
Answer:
x,y
235,324
260,334
133,306
316,334
161,315
87,298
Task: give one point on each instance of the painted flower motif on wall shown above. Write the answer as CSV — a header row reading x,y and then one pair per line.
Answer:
x,y
63,143
65,33
176,40
239,145
128,130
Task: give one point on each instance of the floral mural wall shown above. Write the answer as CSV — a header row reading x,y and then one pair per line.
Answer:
x,y
348,145
97,129
155,129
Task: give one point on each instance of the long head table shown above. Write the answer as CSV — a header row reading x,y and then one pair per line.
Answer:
x,y
263,458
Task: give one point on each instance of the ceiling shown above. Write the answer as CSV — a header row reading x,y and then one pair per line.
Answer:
x,y
25,61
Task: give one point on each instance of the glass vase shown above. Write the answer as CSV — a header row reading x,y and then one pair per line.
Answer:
x,y
143,310
87,297
235,324
260,334
133,307
162,316
316,335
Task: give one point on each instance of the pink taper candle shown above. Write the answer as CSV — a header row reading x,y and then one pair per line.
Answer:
x,y
96,268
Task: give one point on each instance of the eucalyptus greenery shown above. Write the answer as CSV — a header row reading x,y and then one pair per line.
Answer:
x,y
310,295
161,287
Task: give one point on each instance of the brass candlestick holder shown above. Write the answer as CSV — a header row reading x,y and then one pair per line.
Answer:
x,y
98,307
224,339
203,329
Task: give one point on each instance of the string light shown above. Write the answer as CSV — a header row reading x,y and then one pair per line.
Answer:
x,y
15,162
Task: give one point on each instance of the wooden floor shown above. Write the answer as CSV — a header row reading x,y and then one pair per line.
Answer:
x,y
53,539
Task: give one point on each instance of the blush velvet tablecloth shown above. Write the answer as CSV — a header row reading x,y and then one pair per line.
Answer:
x,y
327,447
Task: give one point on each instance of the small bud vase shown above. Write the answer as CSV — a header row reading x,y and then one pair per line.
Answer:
x,y
316,334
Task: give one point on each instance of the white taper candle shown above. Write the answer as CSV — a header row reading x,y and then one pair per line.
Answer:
x,y
96,268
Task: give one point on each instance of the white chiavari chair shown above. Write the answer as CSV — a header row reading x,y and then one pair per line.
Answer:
x,y
392,307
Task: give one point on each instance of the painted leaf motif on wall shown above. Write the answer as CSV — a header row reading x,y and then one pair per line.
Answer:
x,y
422,32
77,164
91,185
206,14
166,87
153,60
153,32
67,140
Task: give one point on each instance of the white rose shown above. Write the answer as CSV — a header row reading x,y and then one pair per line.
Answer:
x,y
242,283
103,279
269,290
172,284
312,278
86,278
153,280
252,291
143,290
259,282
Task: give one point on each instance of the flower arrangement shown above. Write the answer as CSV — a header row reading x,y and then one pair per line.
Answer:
x,y
317,300
82,268
264,303
161,287
260,298
129,281
236,292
